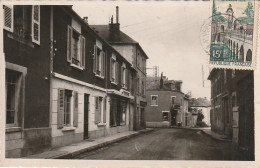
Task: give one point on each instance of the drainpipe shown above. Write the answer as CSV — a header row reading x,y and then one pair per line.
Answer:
x,y
51,63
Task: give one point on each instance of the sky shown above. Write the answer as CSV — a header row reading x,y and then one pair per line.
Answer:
x,y
169,33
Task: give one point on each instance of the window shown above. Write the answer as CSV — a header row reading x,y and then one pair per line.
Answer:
x,y
36,24
118,112
165,115
13,89
114,69
100,110
154,100
124,76
75,48
143,87
99,61
23,21
173,100
67,108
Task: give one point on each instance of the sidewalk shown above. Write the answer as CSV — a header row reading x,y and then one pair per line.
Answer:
x,y
85,146
216,135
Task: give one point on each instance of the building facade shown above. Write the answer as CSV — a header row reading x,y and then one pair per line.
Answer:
x,y
201,105
232,107
27,85
64,83
166,104
133,53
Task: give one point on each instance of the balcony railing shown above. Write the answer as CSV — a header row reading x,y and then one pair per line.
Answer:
x,y
21,32
175,106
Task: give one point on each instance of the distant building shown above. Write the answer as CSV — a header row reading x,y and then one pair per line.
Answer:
x,y
165,103
203,105
232,106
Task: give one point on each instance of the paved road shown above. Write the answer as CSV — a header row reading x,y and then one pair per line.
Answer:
x,y
167,144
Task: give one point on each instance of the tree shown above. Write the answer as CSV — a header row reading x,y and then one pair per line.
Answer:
x,y
200,116
249,10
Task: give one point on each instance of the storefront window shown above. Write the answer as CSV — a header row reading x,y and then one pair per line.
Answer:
x,y
118,112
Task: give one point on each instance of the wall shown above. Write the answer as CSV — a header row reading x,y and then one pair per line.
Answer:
x,y
154,113
76,135
32,135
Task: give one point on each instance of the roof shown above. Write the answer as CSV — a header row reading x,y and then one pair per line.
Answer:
x,y
112,37
115,37
199,102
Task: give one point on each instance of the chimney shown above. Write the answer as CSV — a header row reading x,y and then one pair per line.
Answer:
x,y
85,19
114,27
161,81
117,14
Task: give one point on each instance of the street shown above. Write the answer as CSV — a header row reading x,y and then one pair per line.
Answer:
x,y
167,144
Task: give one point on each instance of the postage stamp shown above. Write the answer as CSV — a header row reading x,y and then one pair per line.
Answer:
x,y
233,37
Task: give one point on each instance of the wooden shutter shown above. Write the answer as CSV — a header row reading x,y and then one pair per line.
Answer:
x,y
126,78
36,24
111,69
61,107
103,64
122,75
69,44
104,110
96,110
99,109
117,73
94,59
83,43
76,109
8,18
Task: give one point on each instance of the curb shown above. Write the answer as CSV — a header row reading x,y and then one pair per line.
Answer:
x,y
216,138
88,149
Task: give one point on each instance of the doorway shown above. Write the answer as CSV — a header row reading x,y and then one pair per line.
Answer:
x,y
173,117
86,108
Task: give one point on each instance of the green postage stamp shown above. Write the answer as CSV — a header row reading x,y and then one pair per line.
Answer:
x,y
233,37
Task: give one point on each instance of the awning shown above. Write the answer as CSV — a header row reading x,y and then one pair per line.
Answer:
x,y
122,93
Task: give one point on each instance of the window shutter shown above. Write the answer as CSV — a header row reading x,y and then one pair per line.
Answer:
x,y
122,75
126,78
76,109
117,73
104,110
111,69
104,63
60,117
99,109
94,59
8,18
69,58
36,24
96,111
83,44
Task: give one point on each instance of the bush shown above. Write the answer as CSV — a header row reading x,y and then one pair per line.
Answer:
x,y
201,124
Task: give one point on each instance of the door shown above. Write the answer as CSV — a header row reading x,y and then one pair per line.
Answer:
x,y
173,117
86,107
142,118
